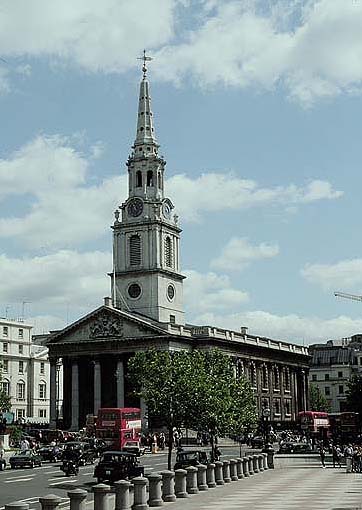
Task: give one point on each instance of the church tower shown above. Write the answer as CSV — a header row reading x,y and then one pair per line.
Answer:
x,y
146,274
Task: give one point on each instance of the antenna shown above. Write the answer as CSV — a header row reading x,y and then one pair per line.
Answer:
x,y
23,308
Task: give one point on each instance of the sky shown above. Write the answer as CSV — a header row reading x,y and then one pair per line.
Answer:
x,y
257,108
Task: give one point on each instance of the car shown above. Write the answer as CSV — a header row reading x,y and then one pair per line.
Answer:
x,y
25,458
117,465
134,447
50,453
291,447
188,458
257,442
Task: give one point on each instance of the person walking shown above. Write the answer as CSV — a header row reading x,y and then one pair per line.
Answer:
x,y
336,455
322,454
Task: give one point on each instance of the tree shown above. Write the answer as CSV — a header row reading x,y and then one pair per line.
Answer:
x,y
194,389
317,401
354,394
5,401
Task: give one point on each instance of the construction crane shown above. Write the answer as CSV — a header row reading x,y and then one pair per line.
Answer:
x,y
344,295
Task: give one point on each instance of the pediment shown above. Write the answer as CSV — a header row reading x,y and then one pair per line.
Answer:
x,y
104,324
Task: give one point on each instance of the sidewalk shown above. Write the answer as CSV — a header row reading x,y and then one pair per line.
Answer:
x,y
311,488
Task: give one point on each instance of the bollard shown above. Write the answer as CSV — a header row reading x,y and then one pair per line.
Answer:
x,y
168,486
218,473
250,460
239,467
255,464
122,495
233,472
191,480
226,471
101,492
246,466
180,483
50,502
155,491
140,493
17,505
265,461
210,476
201,478
77,499
260,462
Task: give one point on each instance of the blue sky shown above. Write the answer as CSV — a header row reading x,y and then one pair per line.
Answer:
x,y
257,107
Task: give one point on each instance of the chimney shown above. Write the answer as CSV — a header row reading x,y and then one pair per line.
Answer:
x,y
244,330
108,301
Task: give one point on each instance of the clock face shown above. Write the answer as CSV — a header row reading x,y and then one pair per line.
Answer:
x,y
135,207
166,210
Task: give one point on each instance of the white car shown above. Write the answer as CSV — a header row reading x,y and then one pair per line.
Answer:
x,y
134,447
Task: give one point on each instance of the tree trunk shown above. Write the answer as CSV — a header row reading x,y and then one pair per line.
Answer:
x,y
212,443
170,445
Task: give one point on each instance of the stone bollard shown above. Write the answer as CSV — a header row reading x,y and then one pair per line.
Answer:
x,y
191,480
155,491
180,483
50,502
168,486
255,464
210,476
201,478
122,495
245,466
239,467
226,471
233,472
265,462
17,505
101,492
261,462
77,499
250,460
140,493
218,473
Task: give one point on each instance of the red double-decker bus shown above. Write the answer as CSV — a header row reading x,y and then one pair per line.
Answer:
x,y
118,425
315,423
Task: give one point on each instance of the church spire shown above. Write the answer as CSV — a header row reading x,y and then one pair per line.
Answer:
x,y
145,130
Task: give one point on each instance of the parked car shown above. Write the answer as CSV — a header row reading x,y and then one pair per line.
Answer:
x,y
117,465
257,442
188,458
26,458
134,447
295,448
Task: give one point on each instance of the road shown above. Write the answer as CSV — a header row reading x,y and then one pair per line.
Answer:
x,y
30,484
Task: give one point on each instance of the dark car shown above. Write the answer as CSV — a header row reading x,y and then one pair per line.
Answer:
x,y
295,448
26,458
117,465
191,458
257,442
81,452
50,453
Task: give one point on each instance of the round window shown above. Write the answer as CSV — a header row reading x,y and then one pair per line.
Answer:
x,y
171,291
134,290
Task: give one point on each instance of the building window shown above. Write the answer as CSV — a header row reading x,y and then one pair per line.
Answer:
x,y
288,407
20,391
21,349
139,179
20,413
42,391
326,377
134,291
135,250
5,331
340,390
159,180
276,378
42,367
42,413
252,375
264,378
327,390
168,251
340,374
21,367
5,347
150,178
21,333
5,386
277,407
5,366
172,319
314,377
287,379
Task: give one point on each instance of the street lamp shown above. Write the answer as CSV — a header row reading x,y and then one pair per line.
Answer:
x,y
265,413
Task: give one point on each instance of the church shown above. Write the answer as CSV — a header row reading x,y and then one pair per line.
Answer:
x,y
145,309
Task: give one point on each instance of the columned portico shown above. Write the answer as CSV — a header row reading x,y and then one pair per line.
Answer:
x,y
75,396
53,394
97,381
120,383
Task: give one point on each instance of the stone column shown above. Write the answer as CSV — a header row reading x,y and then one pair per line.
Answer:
x,y
101,492
50,502
218,473
233,471
255,464
191,480
265,461
122,495
155,491
261,462
140,493
168,486
180,483
53,394
120,383
18,505
246,466
77,499
97,382
210,476
226,471
201,477
75,396
239,467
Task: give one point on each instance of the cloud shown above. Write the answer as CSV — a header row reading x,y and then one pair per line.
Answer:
x,y
238,253
344,275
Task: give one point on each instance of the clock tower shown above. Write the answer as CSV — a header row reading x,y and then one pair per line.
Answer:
x,y
146,276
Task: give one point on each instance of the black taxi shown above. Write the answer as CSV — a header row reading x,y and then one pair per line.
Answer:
x,y
117,465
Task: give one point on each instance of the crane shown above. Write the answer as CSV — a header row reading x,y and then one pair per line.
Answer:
x,y
344,295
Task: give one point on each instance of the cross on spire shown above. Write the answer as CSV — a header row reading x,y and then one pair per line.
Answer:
x,y
145,59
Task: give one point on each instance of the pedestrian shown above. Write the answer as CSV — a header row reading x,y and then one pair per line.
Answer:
x,y
322,454
336,455
348,453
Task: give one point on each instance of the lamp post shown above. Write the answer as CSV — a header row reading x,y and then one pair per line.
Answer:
x,y
265,413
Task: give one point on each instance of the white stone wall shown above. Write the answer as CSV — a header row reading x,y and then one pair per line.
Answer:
x,y
331,380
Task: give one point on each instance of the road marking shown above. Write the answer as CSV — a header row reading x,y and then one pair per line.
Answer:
x,y
19,480
55,479
65,480
53,472
88,473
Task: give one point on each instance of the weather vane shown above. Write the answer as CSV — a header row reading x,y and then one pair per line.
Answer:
x,y
145,59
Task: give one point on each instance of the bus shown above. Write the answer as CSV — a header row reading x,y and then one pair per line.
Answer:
x,y
315,424
118,425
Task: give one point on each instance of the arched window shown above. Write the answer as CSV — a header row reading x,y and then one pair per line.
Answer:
x,y
42,390
5,386
265,381
20,390
252,375
287,379
139,179
168,252
159,180
276,379
150,178
135,250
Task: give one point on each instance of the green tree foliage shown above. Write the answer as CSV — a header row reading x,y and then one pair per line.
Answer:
x,y
354,394
5,402
317,401
194,389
